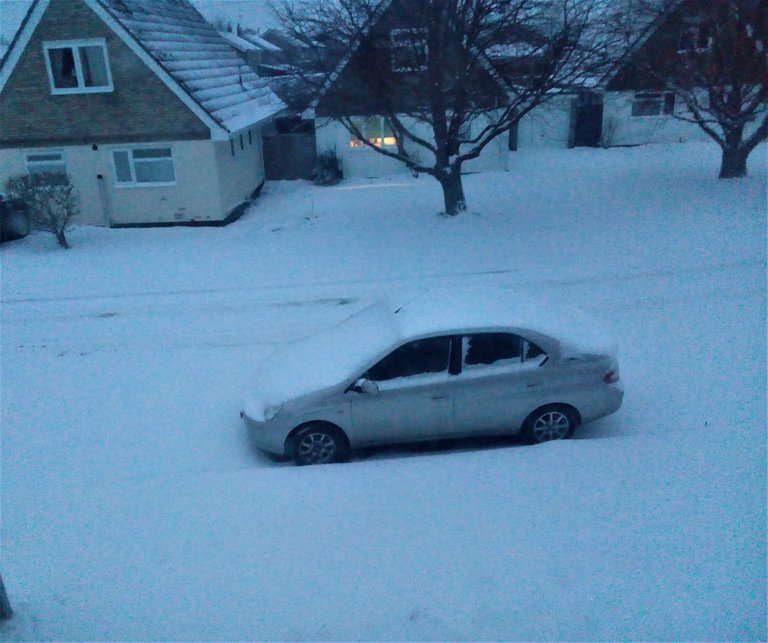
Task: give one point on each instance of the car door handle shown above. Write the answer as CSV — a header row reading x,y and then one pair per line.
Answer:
x,y
439,397
533,385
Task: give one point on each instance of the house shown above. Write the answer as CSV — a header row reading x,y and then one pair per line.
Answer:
x,y
388,46
629,105
154,116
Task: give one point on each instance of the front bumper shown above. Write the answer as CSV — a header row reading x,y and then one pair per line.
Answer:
x,y
267,436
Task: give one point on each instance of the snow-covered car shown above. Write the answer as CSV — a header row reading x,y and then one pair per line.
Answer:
x,y
449,364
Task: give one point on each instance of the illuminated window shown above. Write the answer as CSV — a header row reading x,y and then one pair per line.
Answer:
x,y
376,130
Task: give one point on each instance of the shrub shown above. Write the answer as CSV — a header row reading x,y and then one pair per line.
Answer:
x,y
327,169
52,201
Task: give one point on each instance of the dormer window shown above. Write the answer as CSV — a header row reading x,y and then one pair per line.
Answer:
x,y
78,66
409,49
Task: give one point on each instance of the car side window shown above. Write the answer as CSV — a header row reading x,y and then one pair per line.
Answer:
x,y
423,356
499,349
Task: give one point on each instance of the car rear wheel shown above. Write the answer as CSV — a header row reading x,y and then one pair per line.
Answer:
x,y
549,423
318,444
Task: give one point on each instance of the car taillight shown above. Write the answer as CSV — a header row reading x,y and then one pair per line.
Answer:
x,y
611,377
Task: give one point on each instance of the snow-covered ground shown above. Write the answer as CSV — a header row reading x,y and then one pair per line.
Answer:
x,y
134,506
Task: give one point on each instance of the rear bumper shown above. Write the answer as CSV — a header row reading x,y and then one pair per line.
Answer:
x,y
608,401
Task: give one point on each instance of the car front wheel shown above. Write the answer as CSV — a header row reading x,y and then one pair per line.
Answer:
x,y
549,423
317,444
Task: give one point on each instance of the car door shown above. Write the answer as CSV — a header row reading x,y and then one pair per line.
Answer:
x,y
415,395
500,383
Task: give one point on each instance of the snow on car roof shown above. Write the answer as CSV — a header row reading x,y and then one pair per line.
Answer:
x,y
446,310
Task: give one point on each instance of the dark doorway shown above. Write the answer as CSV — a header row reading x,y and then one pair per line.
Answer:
x,y
513,137
290,152
588,120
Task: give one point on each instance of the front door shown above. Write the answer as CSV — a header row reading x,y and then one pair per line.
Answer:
x,y
415,398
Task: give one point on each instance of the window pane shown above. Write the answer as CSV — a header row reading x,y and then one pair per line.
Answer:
x,y
63,67
532,351
152,153
646,105
123,167
490,348
38,158
154,171
94,66
415,358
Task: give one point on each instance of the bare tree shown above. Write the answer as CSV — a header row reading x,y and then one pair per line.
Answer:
x,y
712,55
52,201
446,76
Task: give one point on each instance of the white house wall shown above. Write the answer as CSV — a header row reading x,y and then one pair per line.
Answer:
x,y
240,173
621,128
210,182
546,126
365,162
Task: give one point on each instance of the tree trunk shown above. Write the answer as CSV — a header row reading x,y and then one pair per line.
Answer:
x,y
62,239
734,163
453,190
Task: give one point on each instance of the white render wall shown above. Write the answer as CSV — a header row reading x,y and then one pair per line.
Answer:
x,y
546,126
621,128
210,182
365,162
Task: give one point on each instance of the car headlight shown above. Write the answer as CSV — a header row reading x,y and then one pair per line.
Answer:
x,y
270,412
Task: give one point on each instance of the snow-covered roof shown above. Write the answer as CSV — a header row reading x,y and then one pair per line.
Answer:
x,y
199,59
241,44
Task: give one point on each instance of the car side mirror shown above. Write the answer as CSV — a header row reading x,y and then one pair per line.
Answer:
x,y
364,385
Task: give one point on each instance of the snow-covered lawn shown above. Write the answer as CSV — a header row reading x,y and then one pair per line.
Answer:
x,y
134,506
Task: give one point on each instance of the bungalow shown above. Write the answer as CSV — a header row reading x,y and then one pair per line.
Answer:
x,y
154,116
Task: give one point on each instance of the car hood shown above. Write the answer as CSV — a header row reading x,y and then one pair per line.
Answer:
x,y
321,361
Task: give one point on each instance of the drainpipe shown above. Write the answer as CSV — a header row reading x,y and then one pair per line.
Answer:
x,y
104,201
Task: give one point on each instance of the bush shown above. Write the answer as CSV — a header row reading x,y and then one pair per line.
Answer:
x,y
327,169
52,201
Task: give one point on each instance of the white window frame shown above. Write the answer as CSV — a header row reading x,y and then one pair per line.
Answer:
x,y
393,39
129,150
651,95
76,45
362,126
31,163
692,28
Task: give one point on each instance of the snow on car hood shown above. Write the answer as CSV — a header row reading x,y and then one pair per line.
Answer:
x,y
322,360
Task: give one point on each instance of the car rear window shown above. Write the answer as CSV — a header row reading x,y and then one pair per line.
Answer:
x,y
499,349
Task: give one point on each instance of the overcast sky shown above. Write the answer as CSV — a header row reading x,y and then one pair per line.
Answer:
x,y
255,14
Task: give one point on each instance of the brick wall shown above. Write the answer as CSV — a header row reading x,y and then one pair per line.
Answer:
x,y
141,107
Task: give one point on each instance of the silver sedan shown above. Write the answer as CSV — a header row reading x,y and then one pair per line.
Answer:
x,y
433,371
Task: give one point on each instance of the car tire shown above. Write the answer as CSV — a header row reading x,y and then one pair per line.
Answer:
x,y
319,444
549,423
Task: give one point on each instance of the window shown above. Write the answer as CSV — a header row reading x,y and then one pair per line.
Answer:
x,y
144,166
376,130
694,36
46,163
653,103
78,66
421,357
409,49
499,349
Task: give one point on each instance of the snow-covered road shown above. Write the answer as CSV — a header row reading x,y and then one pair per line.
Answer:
x,y
134,506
